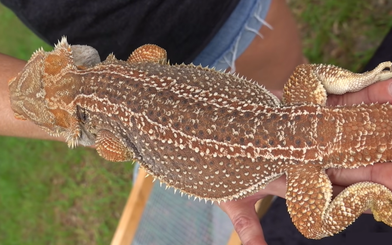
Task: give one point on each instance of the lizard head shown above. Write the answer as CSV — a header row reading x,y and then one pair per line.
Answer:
x,y
41,94
27,93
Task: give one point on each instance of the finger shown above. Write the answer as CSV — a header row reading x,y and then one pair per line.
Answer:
x,y
379,92
336,189
380,173
278,93
245,220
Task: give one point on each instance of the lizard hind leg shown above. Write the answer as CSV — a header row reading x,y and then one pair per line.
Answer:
x,y
111,148
309,202
148,53
310,83
304,87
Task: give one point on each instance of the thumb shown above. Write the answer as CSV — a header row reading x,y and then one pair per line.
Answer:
x,y
245,220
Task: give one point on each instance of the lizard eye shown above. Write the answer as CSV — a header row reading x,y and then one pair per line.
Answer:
x,y
82,114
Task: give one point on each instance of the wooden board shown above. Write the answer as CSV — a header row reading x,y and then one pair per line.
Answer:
x,y
133,210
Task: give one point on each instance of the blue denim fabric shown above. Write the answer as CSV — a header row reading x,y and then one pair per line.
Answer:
x,y
235,35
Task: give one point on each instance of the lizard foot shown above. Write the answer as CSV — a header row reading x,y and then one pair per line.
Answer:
x,y
382,206
384,71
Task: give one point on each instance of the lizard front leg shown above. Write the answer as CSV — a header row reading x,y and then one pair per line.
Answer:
x,y
110,147
308,199
148,53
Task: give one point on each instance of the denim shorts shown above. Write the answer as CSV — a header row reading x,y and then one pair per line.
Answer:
x,y
235,35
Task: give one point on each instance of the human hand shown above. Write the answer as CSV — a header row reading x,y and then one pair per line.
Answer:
x,y
242,212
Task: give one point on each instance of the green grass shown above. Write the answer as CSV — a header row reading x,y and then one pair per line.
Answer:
x,y
52,195
345,33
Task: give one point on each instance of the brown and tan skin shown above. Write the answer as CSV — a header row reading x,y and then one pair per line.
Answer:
x,y
214,135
